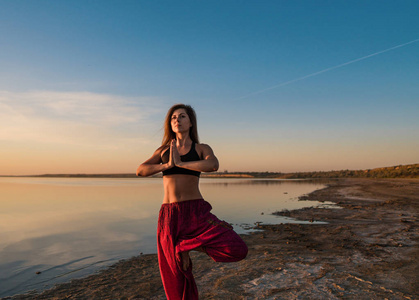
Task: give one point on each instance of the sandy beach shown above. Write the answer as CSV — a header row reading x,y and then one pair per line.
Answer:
x,y
367,250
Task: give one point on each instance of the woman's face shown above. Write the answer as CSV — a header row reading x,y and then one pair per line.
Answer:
x,y
180,121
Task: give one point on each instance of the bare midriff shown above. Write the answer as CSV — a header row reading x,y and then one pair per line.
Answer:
x,y
180,187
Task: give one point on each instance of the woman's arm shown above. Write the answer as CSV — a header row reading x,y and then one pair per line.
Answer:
x,y
208,164
153,165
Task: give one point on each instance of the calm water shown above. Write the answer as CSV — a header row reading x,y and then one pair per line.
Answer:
x,y
66,228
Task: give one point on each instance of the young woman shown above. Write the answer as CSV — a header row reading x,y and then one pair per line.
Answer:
x,y
185,221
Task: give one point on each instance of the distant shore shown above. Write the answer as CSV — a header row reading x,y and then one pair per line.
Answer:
x,y
368,250
400,171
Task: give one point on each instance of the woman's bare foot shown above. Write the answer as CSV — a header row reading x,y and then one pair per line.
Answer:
x,y
185,257
185,260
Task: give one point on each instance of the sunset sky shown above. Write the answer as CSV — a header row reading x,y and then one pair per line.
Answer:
x,y
277,85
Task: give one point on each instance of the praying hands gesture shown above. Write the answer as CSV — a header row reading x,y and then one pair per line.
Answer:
x,y
208,163
174,159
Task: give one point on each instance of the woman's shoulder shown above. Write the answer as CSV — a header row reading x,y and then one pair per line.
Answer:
x,y
204,149
162,149
202,146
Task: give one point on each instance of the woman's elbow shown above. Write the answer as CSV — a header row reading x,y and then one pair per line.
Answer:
x,y
215,166
140,171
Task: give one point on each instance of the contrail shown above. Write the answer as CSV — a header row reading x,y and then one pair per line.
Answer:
x,y
326,70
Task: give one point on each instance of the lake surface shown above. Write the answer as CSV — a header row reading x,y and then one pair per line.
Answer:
x,y
71,227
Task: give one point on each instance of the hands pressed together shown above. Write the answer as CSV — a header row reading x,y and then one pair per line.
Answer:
x,y
174,159
208,163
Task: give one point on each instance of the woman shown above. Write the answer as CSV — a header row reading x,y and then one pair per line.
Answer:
x,y
185,221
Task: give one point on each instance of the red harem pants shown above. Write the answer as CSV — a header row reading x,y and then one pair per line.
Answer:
x,y
184,226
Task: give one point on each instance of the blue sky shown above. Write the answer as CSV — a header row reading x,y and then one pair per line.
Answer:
x,y
85,85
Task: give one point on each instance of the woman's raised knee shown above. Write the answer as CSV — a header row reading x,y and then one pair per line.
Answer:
x,y
242,252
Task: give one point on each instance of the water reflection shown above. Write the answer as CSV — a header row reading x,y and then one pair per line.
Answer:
x,y
227,182
70,227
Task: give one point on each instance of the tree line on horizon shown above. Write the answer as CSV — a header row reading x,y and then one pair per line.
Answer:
x,y
400,171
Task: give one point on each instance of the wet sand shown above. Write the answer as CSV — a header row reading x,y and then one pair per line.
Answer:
x,y
368,250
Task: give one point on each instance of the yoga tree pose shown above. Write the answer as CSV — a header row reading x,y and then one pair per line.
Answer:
x,y
185,222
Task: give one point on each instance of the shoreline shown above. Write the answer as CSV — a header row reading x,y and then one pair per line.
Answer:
x,y
397,171
368,249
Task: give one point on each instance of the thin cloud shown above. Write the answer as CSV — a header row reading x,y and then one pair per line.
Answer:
x,y
75,117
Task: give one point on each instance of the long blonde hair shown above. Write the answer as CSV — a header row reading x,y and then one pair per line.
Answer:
x,y
168,132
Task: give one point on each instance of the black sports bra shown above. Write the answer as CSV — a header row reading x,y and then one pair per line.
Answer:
x,y
192,155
